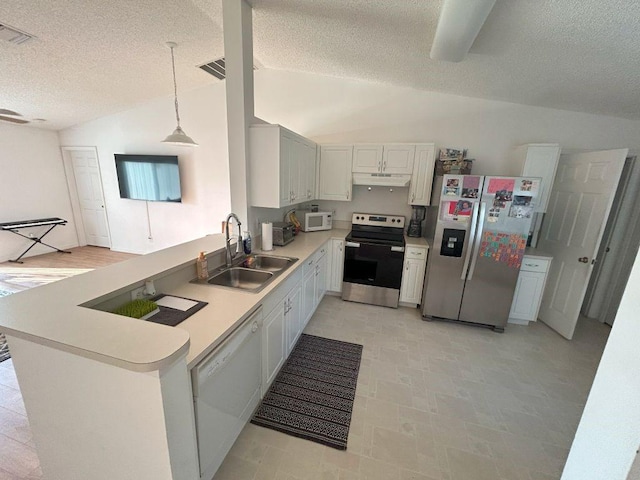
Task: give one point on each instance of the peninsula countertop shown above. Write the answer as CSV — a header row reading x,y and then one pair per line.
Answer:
x,y
52,314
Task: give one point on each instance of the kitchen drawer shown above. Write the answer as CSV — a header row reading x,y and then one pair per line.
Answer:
x,y
312,260
530,264
309,265
415,253
322,251
277,295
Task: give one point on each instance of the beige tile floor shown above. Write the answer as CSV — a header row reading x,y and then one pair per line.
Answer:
x,y
439,401
435,401
18,458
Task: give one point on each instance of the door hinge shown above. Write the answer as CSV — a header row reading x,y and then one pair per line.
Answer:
x,y
593,262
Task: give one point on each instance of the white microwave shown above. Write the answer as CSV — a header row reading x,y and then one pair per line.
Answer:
x,y
315,221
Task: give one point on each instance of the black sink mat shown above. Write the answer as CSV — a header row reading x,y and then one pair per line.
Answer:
x,y
172,317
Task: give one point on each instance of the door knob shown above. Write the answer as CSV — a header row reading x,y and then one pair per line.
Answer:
x,y
583,259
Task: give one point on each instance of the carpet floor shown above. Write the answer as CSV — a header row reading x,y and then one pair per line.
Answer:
x,y
312,396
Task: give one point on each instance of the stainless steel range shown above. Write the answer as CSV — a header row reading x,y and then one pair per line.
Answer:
x,y
373,259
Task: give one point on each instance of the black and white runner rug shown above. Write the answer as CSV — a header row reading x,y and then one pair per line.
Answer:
x,y
312,396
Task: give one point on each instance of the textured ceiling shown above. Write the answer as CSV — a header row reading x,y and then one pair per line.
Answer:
x,y
92,58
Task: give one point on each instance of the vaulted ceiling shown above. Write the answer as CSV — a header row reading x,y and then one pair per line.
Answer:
x,y
93,57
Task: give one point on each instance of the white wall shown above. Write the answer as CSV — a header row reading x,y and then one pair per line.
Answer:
x,y
608,436
32,185
336,110
204,170
327,110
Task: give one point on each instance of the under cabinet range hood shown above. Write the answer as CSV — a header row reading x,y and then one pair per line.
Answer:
x,y
381,179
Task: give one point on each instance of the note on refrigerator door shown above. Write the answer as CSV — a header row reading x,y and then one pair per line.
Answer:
x,y
470,186
529,185
452,188
501,185
517,211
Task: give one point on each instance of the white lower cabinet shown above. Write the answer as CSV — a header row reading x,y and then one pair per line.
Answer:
x,y
321,274
308,292
290,308
529,289
293,317
335,265
415,262
273,344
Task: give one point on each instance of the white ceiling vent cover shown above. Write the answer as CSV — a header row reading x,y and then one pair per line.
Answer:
x,y
218,68
13,35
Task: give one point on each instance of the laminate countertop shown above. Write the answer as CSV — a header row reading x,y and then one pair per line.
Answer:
x,y
53,314
535,253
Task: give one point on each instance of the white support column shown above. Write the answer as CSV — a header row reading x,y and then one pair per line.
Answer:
x,y
238,53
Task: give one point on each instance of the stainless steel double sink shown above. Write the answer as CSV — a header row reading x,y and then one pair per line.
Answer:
x,y
251,275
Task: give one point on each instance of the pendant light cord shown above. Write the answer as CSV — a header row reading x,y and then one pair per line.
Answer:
x,y
175,86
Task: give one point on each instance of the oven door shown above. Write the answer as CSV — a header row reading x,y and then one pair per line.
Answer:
x,y
373,264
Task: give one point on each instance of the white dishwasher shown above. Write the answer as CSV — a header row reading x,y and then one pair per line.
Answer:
x,y
226,391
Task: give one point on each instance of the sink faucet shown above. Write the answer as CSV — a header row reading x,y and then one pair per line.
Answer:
x,y
230,257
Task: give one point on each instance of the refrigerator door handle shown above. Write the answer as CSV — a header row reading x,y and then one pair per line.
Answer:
x,y
476,248
472,236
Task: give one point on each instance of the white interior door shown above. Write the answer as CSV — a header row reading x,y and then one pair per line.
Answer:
x,y
580,202
90,196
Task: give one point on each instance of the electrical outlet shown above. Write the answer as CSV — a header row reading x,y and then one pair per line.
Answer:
x,y
137,294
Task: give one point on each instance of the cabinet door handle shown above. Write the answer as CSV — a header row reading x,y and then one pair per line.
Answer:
x,y
384,165
413,196
347,194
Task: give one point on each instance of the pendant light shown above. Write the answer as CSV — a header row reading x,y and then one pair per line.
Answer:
x,y
178,137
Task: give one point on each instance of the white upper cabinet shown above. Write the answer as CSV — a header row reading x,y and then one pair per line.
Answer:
x,y
422,178
308,172
391,158
334,172
367,158
398,159
281,167
540,160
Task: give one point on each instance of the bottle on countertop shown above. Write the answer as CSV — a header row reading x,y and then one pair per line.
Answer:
x,y
202,267
246,242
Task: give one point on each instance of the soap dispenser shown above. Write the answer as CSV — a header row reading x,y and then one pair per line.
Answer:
x,y
246,242
201,267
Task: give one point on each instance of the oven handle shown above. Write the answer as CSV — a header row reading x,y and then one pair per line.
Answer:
x,y
352,244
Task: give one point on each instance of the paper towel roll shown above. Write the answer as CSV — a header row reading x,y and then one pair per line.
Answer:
x,y
267,236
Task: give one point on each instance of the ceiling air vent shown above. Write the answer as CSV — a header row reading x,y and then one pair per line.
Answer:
x,y
13,35
218,69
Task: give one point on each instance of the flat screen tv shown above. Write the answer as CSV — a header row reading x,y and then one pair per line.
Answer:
x,y
149,177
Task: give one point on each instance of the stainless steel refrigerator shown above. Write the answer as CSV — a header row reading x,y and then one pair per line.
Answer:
x,y
480,237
